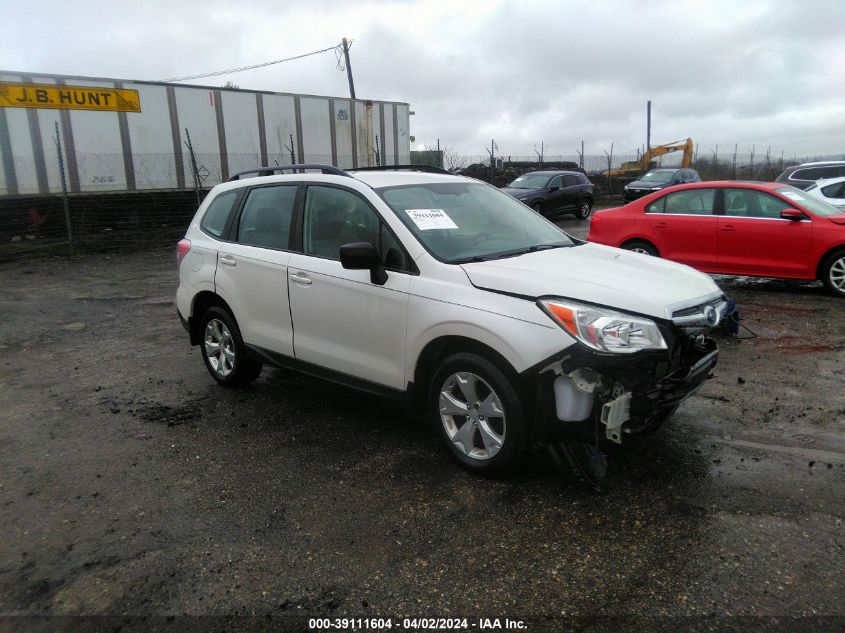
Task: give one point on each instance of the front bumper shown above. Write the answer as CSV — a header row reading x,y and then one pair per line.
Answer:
x,y
622,396
634,194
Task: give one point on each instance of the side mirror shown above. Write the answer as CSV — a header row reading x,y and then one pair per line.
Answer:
x,y
553,188
363,256
792,214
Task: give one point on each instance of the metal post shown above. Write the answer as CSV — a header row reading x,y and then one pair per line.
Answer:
x,y
378,153
348,68
58,140
194,166
648,127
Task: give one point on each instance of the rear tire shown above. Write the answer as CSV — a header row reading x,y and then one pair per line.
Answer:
x,y
479,415
642,247
584,210
223,350
833,273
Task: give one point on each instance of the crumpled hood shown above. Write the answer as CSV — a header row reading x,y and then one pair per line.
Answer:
x,y
520,193
592,273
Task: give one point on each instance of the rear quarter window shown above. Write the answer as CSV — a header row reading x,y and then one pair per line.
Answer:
x,y
217,214
817,173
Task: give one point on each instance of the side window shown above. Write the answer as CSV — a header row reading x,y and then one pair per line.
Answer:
x,y
812,173
265,219
747,203
658,206
556,182
334,217
690,202
570,181
834,190
214,220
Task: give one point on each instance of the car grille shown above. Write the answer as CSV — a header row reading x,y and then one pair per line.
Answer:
x,y
707,314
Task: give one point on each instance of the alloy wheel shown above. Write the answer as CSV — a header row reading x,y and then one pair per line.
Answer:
x,y
219,347
837,275
472,415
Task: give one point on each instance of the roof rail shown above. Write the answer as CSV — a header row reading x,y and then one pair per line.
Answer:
x,y
270,170
431,169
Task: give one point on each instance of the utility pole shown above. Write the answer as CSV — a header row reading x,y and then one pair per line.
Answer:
x,y
348,67
735,147
582,155
648,126
492,152
751,163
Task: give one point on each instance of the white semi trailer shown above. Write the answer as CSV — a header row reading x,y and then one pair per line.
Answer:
x,y
127,135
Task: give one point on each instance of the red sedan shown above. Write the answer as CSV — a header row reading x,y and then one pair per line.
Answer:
x,y
735,228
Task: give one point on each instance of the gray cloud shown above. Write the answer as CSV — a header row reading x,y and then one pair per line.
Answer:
x,y
764,73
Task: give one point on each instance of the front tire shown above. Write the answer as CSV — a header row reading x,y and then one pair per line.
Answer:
x,y
223,350
538,207
642,247
479,415
833,273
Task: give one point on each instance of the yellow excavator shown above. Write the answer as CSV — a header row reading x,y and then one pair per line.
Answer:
x,y
637,167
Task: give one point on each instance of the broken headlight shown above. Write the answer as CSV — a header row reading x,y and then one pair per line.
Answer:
x,y
604,330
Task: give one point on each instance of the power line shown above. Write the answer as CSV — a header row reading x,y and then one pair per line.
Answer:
x,y
242,68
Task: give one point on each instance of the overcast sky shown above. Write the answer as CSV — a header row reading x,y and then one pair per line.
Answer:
x,y
747,72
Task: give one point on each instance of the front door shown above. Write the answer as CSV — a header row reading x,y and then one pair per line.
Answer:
x,y
755,240
342,320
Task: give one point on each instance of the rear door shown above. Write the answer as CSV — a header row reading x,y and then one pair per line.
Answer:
x,y
252,267
755,240
342,320
685,227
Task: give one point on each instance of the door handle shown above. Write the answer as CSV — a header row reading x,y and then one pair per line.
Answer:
x,y
662,225
728,227
301,278
228,260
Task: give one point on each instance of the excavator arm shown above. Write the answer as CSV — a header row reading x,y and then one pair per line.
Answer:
x,y
637,167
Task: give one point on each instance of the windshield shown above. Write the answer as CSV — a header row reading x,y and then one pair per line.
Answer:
x,y
460,222
658,175
530,181
813,205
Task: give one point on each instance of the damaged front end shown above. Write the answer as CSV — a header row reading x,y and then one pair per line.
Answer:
x,y
626,376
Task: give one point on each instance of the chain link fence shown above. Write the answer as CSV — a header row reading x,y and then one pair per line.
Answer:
x,y
93,205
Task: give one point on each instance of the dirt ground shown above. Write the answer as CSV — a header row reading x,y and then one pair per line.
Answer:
x,y
132,486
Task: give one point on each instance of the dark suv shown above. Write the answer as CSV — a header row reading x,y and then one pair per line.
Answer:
x,y
658,179
807,174
552,192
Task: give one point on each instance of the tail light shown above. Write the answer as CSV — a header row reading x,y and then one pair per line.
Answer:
x,y
182,249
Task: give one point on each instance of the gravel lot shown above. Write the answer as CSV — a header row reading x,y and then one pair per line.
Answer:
x,y
131,485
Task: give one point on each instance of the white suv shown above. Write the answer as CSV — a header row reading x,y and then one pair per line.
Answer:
x,y
442,290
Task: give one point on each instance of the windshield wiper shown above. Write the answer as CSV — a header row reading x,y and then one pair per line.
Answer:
x,y
532,249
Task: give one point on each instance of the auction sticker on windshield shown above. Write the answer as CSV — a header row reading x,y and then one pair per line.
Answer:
x,y
427,219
